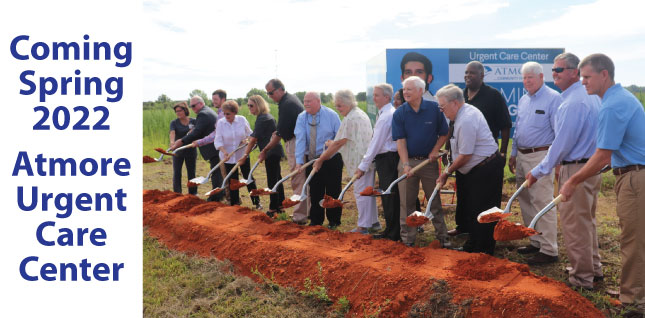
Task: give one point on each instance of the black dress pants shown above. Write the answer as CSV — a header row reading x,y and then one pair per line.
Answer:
x,y
272,165
477,191
326,181
235,194
189,156
216,178
386,168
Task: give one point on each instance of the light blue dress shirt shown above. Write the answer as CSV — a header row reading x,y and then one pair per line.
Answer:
x,y
535,122
576,123
327,122
622,127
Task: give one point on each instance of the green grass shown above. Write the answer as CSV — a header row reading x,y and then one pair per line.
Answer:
x,y
179,285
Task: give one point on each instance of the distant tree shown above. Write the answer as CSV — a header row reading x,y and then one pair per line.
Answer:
x,y
257,91
241,101
199,92
361,97
301,96
326,97
163,98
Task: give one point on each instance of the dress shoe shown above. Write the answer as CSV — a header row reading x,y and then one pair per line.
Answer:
x,y
528,249
541,258
379,236
376,227
455,232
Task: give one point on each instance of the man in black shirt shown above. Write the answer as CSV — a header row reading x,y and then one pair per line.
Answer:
x,y
489,101
289,106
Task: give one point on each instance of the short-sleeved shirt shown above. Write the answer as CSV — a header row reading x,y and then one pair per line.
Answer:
x,y
420,129
180,129
357,128
535,121
493,105
264,128
621,127
471,136
289,107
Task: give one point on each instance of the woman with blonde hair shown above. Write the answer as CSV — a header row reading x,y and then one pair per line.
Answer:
x,y
265,126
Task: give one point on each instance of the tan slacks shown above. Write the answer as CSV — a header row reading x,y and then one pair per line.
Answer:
x,y
534,199
578,223
408,194
630,207
300,210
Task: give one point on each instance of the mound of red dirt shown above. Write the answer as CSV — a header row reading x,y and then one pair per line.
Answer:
x,y
416,220
509,231
148,159
371,273
330,203
369,191
235,184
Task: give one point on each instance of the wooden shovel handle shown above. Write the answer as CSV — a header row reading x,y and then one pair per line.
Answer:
x,y
419,166
295,172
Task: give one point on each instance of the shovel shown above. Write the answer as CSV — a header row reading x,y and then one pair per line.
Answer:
x,y
482,217
172,153
201,180
148,159
518,231
379,192
250,180
418,218
342,193
267,191
297,198
228,176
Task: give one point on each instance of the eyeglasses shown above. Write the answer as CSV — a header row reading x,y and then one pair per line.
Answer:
x,y
251,105
227,114
193,105
271,92
561,69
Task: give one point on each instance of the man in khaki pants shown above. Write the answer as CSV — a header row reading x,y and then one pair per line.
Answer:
x,y
534,133
289,106
575,141
621,142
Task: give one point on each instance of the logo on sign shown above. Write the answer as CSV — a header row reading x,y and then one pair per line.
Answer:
x,y
502,72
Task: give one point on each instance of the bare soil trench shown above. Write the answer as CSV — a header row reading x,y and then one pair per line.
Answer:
x,y
377,276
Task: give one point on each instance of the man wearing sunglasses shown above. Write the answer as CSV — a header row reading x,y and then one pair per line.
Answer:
x,y
575,141
534,133
289,106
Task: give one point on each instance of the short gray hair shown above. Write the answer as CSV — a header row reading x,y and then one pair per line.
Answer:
x,y
417,81
599,62
345,97
532,67
451,92
316,94
386,88
570,59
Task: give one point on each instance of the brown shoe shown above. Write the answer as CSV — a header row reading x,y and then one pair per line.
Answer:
x,y
455,232
541,258
529,249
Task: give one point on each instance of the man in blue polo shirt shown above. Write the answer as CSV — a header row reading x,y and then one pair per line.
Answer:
x,y
420,130
621,141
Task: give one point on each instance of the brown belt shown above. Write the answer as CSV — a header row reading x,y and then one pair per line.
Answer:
x,y
487,160
564,162
626,169
532,150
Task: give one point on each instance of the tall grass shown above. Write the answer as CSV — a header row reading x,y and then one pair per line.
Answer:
x,y
156,124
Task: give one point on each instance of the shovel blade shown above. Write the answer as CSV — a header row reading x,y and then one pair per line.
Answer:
x,y
490,215
199,180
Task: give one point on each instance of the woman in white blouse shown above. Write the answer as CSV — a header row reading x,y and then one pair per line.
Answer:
x,y
230,132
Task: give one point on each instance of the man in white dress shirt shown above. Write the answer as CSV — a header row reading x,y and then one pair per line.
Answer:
x,y
382,151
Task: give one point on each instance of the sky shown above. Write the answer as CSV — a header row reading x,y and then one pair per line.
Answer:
x,y
324,45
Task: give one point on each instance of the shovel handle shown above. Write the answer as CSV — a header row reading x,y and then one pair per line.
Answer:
x,y
342,193
419,166
229,175
545,210
295,172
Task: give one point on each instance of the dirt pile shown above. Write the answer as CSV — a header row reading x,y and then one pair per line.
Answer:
x,y
377,276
